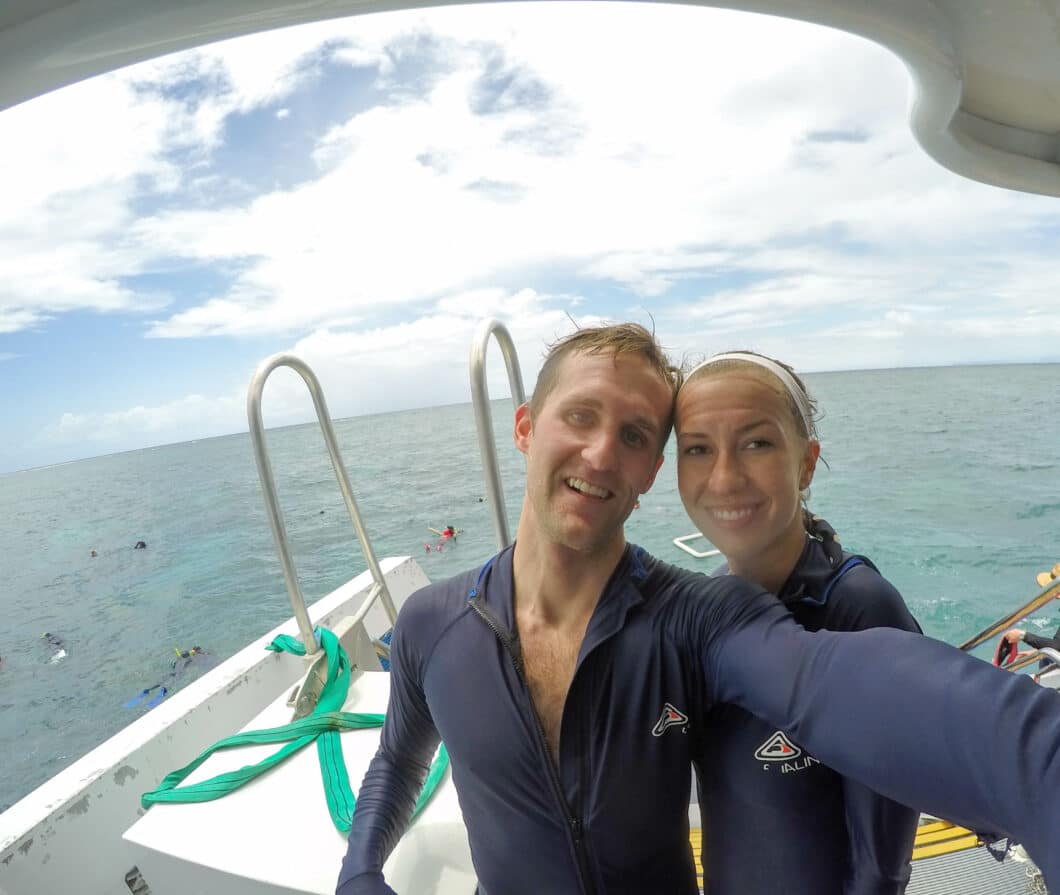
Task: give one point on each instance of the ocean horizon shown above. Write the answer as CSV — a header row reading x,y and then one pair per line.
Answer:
x,y
948,478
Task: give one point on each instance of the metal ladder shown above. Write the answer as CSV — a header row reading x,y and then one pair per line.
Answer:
x,y
379,588
480,399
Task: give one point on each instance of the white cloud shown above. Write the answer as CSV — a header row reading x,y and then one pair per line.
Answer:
x,y
746,181
644,193
169,422
696,156
415,363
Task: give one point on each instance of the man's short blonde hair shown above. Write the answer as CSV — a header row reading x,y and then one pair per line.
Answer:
x,y
616,340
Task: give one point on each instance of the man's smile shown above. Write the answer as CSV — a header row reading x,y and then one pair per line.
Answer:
x,y
584,487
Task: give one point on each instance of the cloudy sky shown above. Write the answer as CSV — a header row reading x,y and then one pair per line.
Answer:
x,y
362,192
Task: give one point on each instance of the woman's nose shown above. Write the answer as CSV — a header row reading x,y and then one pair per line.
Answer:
x,y
726,474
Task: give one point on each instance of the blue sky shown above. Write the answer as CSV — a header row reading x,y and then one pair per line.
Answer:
x,y
363,191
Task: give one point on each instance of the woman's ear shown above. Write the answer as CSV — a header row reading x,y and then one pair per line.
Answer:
x,y
809,463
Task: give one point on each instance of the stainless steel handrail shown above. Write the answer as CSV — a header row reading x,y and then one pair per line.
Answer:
x,y
272,503
1050,655
1045,654
480,399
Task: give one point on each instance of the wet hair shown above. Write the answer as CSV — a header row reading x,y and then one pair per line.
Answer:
x,y
616,340
805,416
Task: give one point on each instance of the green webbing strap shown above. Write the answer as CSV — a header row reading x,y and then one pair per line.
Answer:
x,y
323,725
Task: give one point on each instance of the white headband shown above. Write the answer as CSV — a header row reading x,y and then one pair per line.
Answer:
x,y
789,383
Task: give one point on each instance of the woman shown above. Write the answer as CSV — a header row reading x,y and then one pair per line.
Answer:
x,y
775,818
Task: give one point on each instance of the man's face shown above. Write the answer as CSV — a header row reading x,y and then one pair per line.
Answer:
x,y
593,448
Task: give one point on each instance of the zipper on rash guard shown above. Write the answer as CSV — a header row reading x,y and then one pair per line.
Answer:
x,y
574,825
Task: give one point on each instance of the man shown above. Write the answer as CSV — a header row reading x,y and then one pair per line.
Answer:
x,y
569,677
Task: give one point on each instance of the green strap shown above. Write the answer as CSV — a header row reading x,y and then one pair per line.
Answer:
x,y
323,725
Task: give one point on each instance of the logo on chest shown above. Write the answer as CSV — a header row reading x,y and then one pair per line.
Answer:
x,y
670,717
779,751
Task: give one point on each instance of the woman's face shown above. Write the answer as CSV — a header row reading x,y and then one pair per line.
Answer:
x,y
741,463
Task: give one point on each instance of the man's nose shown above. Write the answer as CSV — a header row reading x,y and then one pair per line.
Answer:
x,y
601,450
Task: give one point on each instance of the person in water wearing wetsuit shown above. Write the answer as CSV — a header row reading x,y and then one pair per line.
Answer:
x,y
776,818
185,658
572,674
153,695
58,646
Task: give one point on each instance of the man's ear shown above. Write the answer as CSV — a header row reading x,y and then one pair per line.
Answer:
x,y
809,464
524,427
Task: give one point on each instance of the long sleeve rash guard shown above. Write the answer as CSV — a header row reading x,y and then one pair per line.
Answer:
x,y
910,717
775,819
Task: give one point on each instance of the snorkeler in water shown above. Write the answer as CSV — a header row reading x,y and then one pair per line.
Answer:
x,y
160,690
57,644
185,658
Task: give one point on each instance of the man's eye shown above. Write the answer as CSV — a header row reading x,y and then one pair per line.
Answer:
x,y
635,438
579,417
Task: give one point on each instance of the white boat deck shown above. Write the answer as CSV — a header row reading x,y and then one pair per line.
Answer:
x,y
275,834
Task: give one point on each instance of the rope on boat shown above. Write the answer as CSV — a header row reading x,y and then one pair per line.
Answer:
x,y
322,725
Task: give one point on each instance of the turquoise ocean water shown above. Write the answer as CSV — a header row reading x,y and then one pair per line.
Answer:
x,y
948,478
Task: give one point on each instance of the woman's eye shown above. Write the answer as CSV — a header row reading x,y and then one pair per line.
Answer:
x,y
579,417
758,444
694,450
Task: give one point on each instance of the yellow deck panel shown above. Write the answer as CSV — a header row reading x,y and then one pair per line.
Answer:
x,y
932,839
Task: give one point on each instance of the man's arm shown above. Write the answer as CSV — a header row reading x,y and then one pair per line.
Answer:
x,y
396,774
880,832
910,717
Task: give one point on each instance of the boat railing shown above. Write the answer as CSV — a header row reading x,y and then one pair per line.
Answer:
x,y
1049,592
480,399
1051,658
1048,656
379,590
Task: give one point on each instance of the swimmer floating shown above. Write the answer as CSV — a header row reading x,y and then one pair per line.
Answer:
x,y
58,646
183,660
446,534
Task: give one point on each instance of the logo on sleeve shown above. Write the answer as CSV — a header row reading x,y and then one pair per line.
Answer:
x,y
670,717
778,748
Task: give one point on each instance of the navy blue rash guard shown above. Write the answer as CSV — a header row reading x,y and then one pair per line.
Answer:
x,y
775,819
911,717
